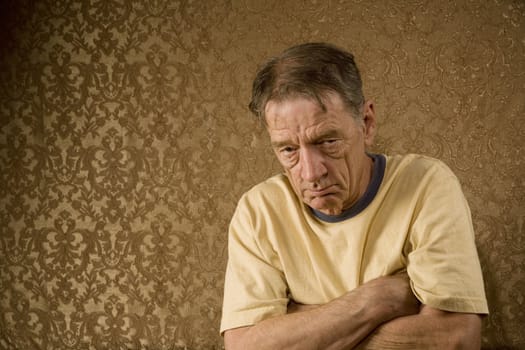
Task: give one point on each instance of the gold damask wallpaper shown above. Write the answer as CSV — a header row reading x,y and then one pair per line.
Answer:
x,y
125,142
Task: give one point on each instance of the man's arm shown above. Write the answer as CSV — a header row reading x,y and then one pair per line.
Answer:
x,y
430,329
339,324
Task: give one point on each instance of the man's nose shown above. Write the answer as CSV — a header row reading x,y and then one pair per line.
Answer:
x,y
312,164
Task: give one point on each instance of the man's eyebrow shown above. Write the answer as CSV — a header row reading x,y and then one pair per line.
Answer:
x,y
329,133
332,133
280,143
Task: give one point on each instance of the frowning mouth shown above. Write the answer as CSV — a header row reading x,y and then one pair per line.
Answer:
x,y
321,192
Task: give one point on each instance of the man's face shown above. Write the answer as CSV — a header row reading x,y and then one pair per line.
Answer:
x,y
322,152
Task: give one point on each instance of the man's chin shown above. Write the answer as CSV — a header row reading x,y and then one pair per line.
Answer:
x,y
324,207
330,212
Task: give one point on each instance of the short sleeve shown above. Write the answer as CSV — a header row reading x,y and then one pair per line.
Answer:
x,y
443,263
255,286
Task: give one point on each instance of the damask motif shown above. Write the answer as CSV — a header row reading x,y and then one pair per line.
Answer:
x,y
125,143
64,249
113,172
30,323
62,81
158,79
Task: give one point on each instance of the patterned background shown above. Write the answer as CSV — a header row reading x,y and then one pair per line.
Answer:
x,y
125,143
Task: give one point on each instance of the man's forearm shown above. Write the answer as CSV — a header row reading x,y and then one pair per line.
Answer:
x,y
340,324
337,325
430,329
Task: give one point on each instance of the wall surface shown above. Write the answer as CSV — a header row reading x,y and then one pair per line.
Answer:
x,y
125,143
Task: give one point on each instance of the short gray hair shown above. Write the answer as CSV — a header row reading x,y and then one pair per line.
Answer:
x,y
310,70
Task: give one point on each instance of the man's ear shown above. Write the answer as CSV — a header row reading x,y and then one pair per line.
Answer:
x,y
369,123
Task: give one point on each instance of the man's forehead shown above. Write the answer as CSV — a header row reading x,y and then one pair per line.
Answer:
x,y
309,131
282,105
303,111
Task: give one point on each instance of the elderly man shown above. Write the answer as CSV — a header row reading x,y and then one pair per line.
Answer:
x,y
346,248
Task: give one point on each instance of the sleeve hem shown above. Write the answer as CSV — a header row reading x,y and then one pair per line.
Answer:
x,y
249,317
475,305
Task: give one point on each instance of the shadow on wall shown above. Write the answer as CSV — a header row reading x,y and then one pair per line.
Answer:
x,y
14,16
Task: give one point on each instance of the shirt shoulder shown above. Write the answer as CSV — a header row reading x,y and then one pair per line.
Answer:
x,y
416,171
416,162
272,194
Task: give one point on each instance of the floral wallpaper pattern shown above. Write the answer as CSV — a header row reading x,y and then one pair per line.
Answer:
x,y
125,142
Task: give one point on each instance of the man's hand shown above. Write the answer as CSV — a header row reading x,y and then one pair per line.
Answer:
x,y
394,291
428,329
339,324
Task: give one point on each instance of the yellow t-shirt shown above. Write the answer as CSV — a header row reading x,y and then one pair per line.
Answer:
x,y
414,216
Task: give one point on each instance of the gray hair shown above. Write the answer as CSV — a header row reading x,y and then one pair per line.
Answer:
x,y
310,70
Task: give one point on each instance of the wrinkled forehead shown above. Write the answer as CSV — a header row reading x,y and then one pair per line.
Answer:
x,y
323,102
303,112
319,100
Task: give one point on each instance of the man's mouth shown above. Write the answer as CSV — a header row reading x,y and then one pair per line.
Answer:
x,y
322,192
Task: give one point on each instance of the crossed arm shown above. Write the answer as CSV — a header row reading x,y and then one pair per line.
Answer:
x,y
381,314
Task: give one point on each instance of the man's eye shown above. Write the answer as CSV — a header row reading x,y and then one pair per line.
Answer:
x,y
287,150
329,142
